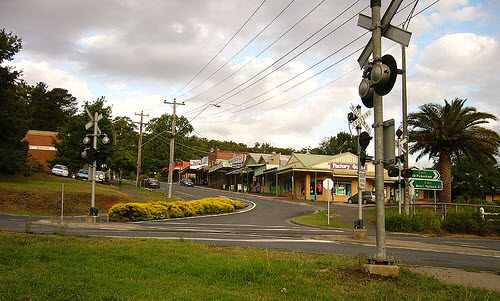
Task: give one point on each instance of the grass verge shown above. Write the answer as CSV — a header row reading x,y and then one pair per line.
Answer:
x,y
320,219
58,267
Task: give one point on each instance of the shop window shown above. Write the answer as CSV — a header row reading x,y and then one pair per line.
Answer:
x,y
318,186
342,187
287,185
302,187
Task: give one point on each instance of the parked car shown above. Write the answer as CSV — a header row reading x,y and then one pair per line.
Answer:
x,y
367,196
60,170
187,182
82,174
100,176
150,183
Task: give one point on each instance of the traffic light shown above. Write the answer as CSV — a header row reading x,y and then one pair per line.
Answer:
x,y
393,172
406,173
383,75
364,140
91,154
398,184
365,89
101,157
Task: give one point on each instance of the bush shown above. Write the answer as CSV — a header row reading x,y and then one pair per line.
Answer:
x,y
162,210
419,222
468,222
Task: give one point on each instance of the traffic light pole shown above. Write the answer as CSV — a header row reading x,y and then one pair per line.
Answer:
x,y
360,193
379,132
406,190
94,143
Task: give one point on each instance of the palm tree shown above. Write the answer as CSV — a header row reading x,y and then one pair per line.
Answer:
x,y
452,130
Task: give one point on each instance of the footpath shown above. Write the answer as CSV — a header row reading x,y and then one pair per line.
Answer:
x,y
347,214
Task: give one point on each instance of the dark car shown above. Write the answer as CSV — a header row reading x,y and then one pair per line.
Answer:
x,y
150,183
366,197
187,182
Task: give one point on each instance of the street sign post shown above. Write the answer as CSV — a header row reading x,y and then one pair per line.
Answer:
x,y
426,184
328,185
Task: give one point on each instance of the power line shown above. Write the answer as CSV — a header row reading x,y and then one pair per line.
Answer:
x,y
283,56
297,75
220,49
229,60
304,71
408,19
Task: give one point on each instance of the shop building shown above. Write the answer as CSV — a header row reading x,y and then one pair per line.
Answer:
x,y
302,177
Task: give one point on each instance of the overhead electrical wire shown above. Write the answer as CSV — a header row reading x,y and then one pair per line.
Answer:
x,y
202,69
262,51
412,16
283,56
243,48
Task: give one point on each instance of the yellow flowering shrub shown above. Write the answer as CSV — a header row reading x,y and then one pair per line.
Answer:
x,y
161,210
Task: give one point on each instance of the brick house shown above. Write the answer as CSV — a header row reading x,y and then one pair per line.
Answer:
x,y
41,147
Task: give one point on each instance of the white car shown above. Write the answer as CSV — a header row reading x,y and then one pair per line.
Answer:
x,y
60,170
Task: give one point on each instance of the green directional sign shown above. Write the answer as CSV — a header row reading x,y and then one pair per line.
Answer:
x,y
425,174
426,184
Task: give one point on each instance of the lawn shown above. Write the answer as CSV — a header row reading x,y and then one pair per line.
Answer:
x,y
320,219
40,194
58,267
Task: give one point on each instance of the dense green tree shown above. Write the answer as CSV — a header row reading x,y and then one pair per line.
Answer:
x,y
451,130
70,146
125,137
156,142
50,109
471,179
14,117
343,142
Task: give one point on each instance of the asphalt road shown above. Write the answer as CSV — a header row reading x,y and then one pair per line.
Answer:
x,y
266,223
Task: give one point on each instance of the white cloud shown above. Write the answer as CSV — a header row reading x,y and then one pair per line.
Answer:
x,y
55,78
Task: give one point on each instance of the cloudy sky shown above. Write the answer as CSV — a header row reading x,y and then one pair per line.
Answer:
x,y
278,71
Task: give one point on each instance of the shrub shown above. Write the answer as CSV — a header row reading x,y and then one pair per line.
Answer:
x,y
468,222
161,210
420,222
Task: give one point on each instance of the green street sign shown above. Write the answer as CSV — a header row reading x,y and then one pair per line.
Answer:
x,y
425,174
426,184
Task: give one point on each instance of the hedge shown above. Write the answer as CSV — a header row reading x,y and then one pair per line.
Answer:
x,y
125,212
464,222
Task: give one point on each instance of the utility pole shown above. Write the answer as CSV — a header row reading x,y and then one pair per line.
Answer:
x,y
139,151
379,132
406,190
172,142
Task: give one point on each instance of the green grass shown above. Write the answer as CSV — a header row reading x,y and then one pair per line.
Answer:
x,y
320,219
58,267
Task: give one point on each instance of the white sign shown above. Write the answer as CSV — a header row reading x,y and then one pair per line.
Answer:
x,y
362,179
328,184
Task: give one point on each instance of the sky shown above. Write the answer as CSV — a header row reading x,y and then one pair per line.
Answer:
x,y
278,71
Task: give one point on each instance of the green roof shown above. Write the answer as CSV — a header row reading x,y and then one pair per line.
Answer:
x,y
309,159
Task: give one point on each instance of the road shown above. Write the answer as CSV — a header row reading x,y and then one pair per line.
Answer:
x,y
266,223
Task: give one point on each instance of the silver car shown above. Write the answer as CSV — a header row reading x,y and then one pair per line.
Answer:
x,y
60,170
